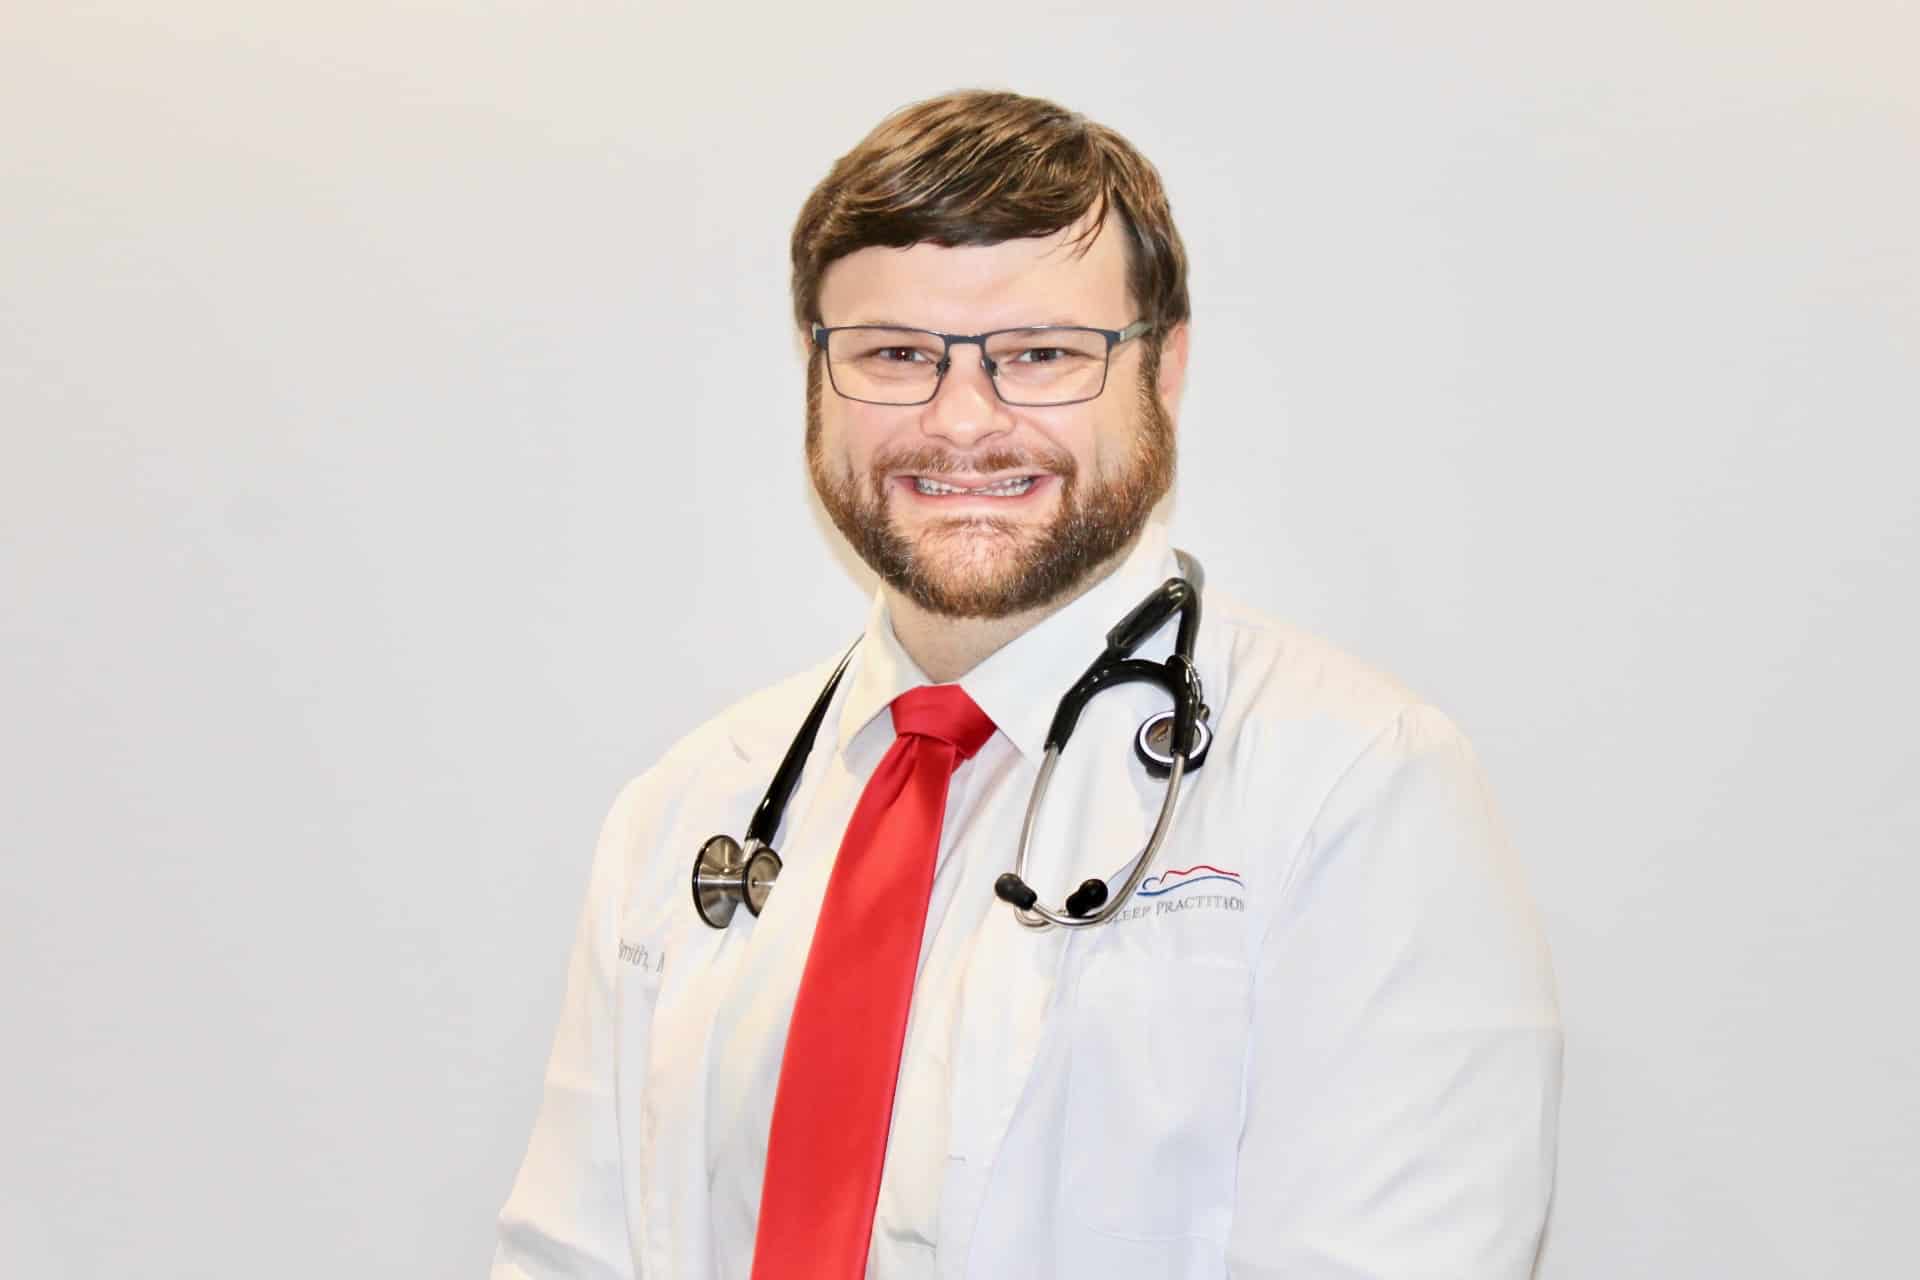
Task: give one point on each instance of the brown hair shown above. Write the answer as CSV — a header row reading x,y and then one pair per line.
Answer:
x,y
980,167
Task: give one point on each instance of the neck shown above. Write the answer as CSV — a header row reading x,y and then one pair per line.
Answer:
x,y
947,648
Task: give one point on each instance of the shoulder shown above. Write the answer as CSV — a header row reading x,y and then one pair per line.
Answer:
x,y
762,722
1299,716
1363,788
717,770
1273,671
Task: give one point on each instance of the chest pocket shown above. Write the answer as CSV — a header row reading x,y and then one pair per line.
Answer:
x,y
1155,1099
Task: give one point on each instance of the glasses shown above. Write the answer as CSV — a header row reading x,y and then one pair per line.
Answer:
x,y
1040,365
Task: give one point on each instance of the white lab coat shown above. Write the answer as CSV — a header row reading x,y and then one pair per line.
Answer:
x,y
1340,1058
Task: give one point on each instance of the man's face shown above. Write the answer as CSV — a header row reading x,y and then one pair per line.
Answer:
x,y
1045,495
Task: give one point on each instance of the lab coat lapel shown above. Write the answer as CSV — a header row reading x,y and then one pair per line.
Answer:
x,y
702,975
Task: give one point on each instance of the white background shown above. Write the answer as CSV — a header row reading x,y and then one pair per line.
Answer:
x,y
401,449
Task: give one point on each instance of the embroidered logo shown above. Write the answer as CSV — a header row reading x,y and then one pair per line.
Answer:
x,y
1168,881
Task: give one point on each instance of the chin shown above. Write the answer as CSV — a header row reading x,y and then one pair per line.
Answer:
x,y
977,569
969,558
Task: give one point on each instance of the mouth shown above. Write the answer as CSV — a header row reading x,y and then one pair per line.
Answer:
x,y
1006,487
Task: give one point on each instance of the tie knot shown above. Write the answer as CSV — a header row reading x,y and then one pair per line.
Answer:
x,y
943,711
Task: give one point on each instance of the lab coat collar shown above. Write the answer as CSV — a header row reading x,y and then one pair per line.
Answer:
x,y
1020,685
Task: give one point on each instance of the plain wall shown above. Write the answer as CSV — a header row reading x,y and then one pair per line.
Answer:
x,y
401,427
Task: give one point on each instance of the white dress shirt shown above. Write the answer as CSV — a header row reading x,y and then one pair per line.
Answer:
x,y
1322,1042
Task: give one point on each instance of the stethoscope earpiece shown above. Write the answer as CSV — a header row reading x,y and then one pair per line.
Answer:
x,y
1087,899
1082,902
1014,891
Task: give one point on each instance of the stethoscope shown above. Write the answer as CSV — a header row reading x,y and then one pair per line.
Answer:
x,y
729,872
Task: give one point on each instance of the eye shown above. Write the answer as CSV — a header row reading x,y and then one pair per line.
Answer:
x,y
894,354
1042,355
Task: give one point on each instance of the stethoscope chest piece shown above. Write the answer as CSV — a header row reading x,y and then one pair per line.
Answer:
x,y
1154,744
726,875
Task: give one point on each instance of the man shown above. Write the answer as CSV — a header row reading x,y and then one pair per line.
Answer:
x,y
1321,1041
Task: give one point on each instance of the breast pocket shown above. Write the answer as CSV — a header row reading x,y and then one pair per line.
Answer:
x,y
1154,1105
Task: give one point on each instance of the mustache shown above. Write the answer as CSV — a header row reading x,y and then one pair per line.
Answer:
x,y
931,460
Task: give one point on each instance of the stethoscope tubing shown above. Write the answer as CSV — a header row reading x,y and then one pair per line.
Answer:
x,y
1040,915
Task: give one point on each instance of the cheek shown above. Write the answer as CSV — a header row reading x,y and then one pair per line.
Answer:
x,y
848,433
1104,445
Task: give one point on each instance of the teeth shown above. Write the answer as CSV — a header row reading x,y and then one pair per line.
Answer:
x,y
1004,489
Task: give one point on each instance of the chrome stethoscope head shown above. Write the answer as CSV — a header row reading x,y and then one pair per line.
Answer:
x,y
726,875
728,872
1186,724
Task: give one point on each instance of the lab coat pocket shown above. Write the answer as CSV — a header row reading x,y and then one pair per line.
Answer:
x,y
1154,1107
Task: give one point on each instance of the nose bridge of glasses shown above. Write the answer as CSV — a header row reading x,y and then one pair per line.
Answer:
x,y
979,340
967,403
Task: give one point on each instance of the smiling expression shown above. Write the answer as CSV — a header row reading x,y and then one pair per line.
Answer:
x,y
968,506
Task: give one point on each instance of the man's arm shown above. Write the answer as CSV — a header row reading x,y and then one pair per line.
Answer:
x,y
567,1215
1404,1082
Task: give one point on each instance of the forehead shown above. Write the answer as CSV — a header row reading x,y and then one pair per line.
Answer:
x,y
967,288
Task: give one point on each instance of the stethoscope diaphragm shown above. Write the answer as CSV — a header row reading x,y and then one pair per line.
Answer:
x,y
726,875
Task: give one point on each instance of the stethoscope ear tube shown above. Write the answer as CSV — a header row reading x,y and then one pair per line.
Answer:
x,y
1171,744
1035,914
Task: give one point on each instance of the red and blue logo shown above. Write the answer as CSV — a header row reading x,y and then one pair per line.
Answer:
x,y
1168,881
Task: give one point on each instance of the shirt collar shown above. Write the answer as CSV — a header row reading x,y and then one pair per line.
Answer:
x,y
1020,685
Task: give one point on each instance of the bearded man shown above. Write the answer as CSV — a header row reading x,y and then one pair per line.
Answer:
x,y
1315,1037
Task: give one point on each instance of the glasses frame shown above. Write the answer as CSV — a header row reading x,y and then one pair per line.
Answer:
x,y
948,341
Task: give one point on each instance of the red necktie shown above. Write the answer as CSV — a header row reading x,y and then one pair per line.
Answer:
x,y
835,1101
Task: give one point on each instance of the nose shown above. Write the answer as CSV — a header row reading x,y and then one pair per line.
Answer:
x,y
965,409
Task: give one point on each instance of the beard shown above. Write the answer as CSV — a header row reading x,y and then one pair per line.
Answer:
x,y
980,566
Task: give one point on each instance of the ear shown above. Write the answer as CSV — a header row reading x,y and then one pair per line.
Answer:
x,y
1173,368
